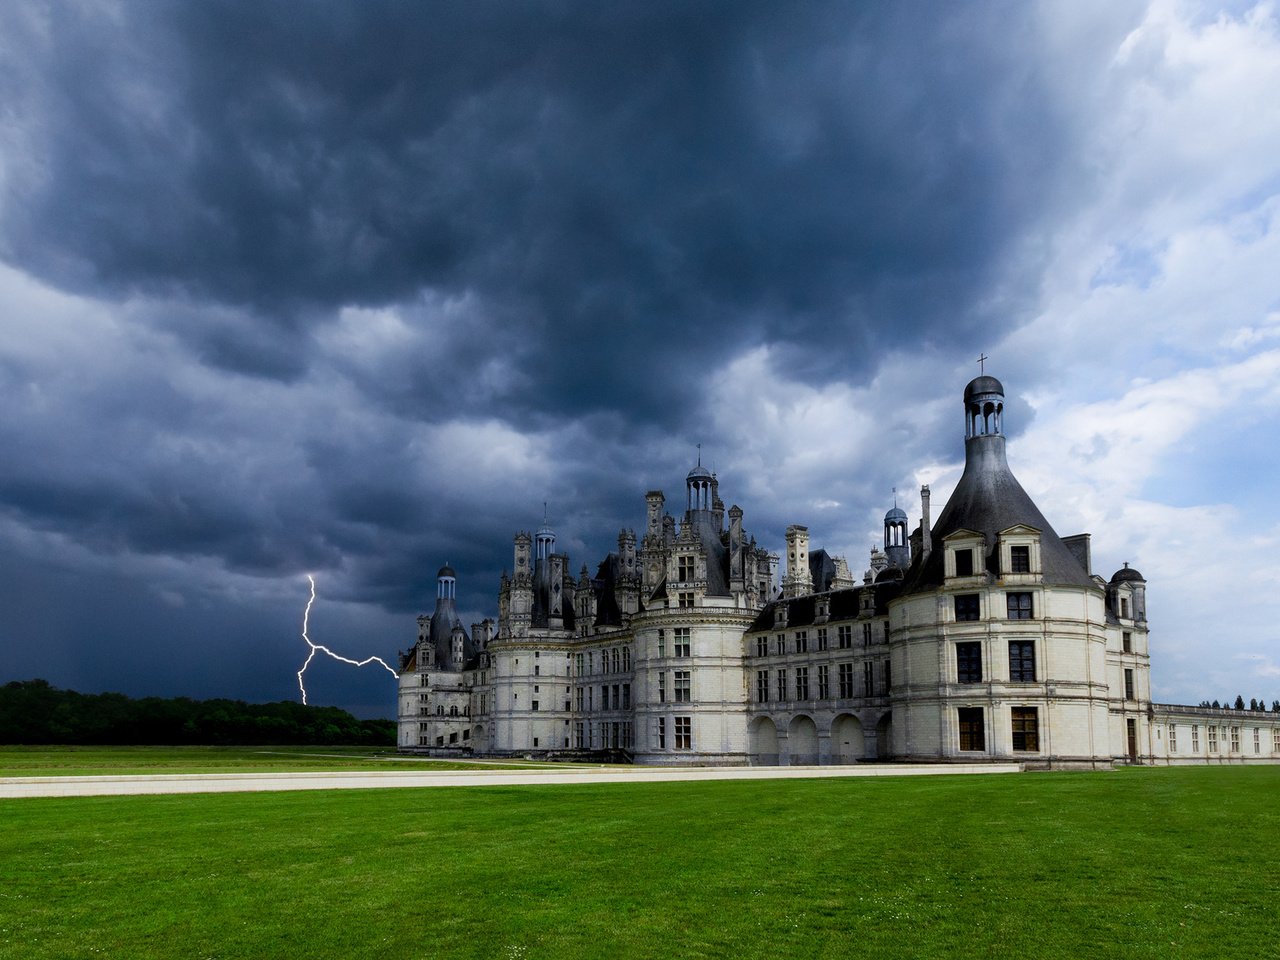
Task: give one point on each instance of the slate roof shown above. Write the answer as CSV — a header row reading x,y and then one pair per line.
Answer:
x,y
844,605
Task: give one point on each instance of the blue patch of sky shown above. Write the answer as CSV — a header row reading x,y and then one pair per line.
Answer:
x,y
1130,265
1220,462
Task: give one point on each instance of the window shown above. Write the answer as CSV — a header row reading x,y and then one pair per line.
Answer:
x,y
662,733
1128,685
964,563
1124,608
682,686
1019,559
1235,739
536,670
626,696
1126,641
685,600
662,643
866,634
888,680
969,662
1213,738
972,736
762,686
782,684
1173,738
967,606
535,705
824,681
684,569
1019,606
684,733
822,639
662,688
782,644
1275,740
762,646
617,698
845,679
885,624
802,683
681,642
425,679
1195,738
844,636
604,697
626,659
577,694
1257,740
1022,661
617,660
802,641
868,680
1026,728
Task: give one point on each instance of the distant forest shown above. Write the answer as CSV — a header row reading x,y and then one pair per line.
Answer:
x,y
32,711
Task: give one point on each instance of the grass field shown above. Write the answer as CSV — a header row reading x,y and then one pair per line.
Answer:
x,y
99,761
1137,863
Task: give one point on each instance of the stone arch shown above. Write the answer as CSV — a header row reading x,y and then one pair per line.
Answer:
x,y
764,742
479,739
884,736
848,745
802,741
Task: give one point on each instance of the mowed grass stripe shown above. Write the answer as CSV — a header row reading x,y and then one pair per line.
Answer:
x,y
1137,863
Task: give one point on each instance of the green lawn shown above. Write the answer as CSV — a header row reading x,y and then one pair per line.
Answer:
x,y
1137,863
97,761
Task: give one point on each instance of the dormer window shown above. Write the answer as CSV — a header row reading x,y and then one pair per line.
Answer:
x,y
684,569
964,563
1020,559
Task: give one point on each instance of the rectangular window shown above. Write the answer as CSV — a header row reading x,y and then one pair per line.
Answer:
x,y
1275,740
1235,739
626,658
681,642
577,694
802,683
1022,661
969,662
964,563
604,697
685,600
824,682
1126,641
822,639
535,706
868,680
885,624
662,688
1019,606
762,646
802,641
1173,738
626,696
617,697
1026,728
1195,738
1257,740
967,606
536,670
845,679
762,686
1019,559
682,686
782,684
888,679
844,637
782,644
684,569
617,660
662,643
972,736
684,733
866,634
1213,738
662,733
1128,685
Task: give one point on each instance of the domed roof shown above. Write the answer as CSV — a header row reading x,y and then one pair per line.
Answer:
x,y
699,473
446,571
897,513
1127,573
981,386
888,574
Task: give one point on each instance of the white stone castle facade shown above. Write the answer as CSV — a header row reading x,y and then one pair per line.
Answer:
x,y
981,636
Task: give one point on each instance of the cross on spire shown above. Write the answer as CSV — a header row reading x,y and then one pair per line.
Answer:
x,y
699,454
981,362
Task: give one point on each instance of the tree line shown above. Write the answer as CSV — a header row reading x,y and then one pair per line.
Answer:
x,y
33,711
1255,705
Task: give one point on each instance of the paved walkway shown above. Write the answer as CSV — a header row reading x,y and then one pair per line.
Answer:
x,y
364,780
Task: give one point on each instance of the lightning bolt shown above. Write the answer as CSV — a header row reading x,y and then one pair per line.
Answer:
x,y
306,617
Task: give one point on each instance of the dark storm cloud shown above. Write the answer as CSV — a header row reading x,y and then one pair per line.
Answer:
x,y
620,185
573,216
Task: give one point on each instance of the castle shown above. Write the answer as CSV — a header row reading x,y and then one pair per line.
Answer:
x,y
981,636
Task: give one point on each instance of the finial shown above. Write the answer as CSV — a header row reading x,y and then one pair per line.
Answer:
x,y
981,361
544,513
895,496
699,454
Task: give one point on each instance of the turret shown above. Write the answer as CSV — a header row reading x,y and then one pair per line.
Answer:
x,y
798,580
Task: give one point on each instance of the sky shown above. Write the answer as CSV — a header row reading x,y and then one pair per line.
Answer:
x,y
351,290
